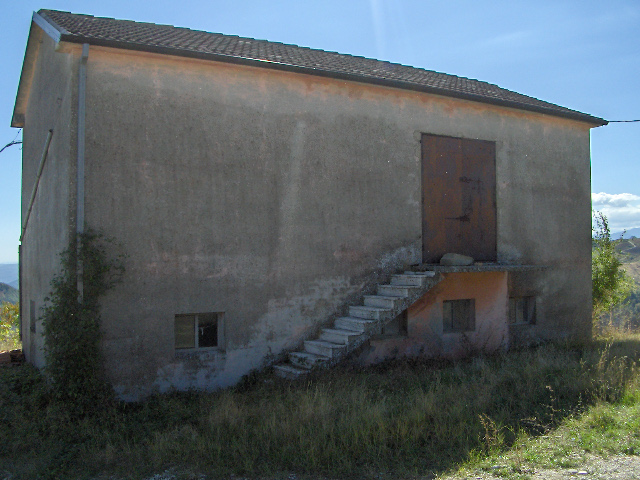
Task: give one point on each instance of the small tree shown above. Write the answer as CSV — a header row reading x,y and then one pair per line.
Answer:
x,y
611,284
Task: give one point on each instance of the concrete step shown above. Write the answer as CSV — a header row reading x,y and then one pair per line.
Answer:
x,y
307,360
381,301
397,290
371,313
289,371
359,325
424,274
345,337
411,280
327,349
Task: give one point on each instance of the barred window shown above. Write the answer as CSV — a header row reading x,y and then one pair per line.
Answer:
x,y
522,310
459,315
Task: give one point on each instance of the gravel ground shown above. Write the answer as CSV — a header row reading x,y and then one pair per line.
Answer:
x,y
620,467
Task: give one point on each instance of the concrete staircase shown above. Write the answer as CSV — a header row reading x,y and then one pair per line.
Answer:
x,y
348,333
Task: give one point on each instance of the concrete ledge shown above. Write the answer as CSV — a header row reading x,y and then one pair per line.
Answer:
x,y
477,267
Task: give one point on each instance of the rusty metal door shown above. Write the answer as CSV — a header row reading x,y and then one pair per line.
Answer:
x,y
458,198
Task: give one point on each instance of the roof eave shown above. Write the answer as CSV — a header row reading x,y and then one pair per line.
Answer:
x,y
38,26
573,115
49,26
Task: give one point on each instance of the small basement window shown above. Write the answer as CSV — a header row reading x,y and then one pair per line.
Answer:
x,y
459,315
522,310
198,330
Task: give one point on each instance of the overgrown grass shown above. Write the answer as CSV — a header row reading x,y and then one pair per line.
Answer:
x,y
399,419
608,426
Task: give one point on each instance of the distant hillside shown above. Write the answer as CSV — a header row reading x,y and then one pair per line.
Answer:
x,y
8,294
628,249
628,314
9,274
632,232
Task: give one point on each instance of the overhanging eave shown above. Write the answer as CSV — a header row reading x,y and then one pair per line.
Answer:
x,y
26,76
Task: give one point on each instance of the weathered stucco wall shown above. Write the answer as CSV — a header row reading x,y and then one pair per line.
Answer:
x,y
425,336
274,197
52,105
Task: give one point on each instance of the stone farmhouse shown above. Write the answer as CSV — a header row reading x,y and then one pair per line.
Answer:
x,y
270,199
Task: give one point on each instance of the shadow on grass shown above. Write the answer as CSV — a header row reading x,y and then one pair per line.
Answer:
x,y
400,418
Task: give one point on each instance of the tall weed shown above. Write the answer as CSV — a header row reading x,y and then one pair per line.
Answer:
x,y
402,418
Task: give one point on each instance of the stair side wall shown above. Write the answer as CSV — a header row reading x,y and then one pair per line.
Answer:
x,y
424,336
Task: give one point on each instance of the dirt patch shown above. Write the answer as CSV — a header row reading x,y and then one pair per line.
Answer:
x,y
619,467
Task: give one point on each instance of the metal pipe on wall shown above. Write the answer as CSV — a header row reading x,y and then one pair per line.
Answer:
x,y
43,159
82,91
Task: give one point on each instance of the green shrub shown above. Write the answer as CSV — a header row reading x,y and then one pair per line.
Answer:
x,y
9,326
71,324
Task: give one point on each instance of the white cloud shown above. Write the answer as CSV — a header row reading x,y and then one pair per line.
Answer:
x,y
613,199
621,209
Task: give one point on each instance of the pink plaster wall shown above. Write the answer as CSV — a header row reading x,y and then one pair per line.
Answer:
x,y
425,335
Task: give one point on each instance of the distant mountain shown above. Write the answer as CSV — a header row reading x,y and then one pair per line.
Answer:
x,y
632,232
8,294
628,251
9,274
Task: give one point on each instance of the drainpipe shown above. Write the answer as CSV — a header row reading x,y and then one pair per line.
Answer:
x,y
82,91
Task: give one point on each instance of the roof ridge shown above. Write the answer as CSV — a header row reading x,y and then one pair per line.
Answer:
x,y
169,39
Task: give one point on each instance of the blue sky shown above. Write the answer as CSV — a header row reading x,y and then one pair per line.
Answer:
x,y
580,54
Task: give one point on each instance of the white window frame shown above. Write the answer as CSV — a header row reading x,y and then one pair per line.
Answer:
x,y
220,338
